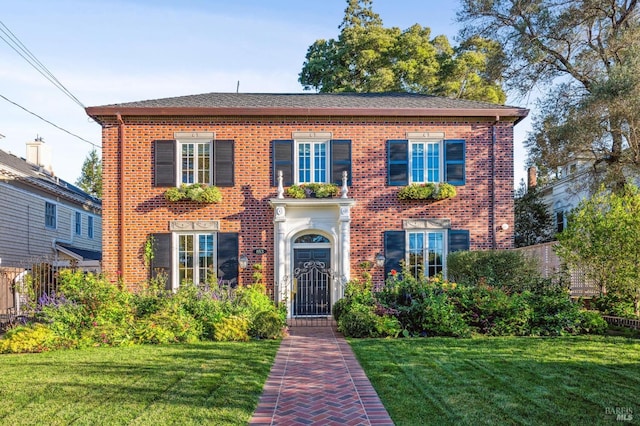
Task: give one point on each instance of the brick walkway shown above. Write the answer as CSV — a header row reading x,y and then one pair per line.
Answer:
x,y
316,380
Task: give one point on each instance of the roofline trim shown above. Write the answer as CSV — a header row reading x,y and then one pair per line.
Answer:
x,y
94,112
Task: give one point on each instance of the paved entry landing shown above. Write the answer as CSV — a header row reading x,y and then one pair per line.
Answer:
x,y
316,380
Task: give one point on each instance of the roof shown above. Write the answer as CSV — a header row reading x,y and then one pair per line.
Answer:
x,y
310,104
18,168
80,254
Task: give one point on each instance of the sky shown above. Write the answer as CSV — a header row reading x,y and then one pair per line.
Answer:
x,y
121,51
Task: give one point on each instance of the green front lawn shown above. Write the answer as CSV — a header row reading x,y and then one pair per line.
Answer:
x,y
510,380
205,383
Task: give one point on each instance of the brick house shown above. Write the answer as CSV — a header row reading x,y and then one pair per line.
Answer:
x,y
252,146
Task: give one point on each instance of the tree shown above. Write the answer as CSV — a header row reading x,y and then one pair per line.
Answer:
x,y
533,223
367,57
585,53
90,180
602,238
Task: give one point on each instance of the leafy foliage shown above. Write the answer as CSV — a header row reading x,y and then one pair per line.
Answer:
x,y
586,53
427,191
90,180
602,238
316,190
533,222
368,57
198,192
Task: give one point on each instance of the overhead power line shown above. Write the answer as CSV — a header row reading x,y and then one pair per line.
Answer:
x,y
47,121
14,42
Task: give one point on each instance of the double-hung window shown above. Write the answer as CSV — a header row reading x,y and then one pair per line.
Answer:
x,y
90,226
78,223
426,253
195,162
425,164
196,260
50,215
311,161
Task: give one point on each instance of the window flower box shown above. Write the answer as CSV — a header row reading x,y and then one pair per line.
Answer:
x,y
313,190
427,191
198,192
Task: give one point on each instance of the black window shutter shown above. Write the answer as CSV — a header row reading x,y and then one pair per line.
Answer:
x,y
340,160
161,262
228,257
223,163
458,240
282,159
394,246
164,167
454,161
398,162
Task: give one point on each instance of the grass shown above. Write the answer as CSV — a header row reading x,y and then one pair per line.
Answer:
x,y
204,383
529,381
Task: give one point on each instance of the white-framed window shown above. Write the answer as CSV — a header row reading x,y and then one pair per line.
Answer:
x,y
90,226
426,252
195,161
78,223
312,161
196,257
425,161
50,220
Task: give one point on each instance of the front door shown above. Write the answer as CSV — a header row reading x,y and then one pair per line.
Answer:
x,y
312,282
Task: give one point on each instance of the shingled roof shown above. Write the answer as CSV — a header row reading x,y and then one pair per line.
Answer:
x,y
310,104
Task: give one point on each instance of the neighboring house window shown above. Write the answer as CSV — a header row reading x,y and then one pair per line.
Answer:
x,y
196,257
560,211
193,161
312,161
425,161
90,226
424,252
306,161
50,215
78,223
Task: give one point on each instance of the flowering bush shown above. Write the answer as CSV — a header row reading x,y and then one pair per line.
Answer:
x,y
427,191
198,192
313,190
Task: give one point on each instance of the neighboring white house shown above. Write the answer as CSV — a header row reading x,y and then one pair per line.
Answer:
x,y
44,217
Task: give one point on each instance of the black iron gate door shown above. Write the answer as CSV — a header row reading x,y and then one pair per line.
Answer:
x,y
312,282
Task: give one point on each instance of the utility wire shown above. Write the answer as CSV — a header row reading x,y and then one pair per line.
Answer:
x,y
15,43
53,124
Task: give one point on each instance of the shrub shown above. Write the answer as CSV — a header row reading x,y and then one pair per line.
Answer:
x,y
317,190
614,304
198,192
167,326
554,314
592,323
427,191
359,321
32,338
267,325
232,329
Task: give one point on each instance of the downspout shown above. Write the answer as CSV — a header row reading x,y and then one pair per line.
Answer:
x,y
121,196
493,184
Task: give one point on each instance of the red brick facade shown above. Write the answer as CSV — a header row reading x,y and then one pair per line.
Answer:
x,y
481,206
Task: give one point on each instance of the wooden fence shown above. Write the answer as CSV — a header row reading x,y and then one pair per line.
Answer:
x,y
551,265
622,322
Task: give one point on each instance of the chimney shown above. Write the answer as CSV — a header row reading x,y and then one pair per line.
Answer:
x,y
532,178
39,154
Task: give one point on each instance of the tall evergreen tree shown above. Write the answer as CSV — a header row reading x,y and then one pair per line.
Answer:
x,y
533,222
90,179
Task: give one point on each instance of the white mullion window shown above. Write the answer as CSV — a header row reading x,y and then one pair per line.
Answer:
x,y
425,161
195,162
311,161
426,253
196,258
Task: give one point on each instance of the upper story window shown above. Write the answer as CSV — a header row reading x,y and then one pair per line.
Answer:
x,y
424,161
312,161
193,160
50,215
90,226
78,223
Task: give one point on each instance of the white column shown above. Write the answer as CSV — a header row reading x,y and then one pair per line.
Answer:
x,y
345,247
280,254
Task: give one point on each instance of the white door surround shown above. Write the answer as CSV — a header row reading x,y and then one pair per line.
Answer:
x,y
330,217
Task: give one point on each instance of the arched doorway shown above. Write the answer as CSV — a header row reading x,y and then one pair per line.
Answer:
x,y
312,276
